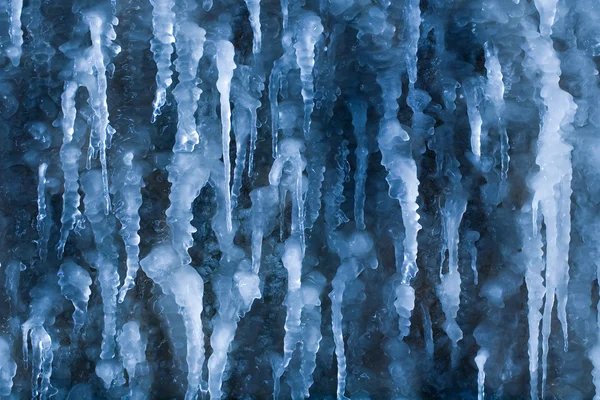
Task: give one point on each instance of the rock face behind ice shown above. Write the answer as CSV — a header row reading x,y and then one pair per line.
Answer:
x,y
254,199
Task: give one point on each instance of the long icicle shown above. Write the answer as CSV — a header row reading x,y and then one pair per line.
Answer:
x,y
163,21
225,67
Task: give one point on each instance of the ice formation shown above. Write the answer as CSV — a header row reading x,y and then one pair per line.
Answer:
x,y
253,199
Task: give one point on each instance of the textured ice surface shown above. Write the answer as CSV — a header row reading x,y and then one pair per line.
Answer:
x,y
328,199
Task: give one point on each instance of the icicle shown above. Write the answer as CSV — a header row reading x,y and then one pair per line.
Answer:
x,y
16,32
309,29
225,66
480,360
188,175
495,92
280,69
69,157
185,286
264,209
128,181
474,95
132,348
284,13
12,275
41,344
427,331
190,48
449,288
311,330
532,253
236,287
240,127
359,121
254,10
102,131
292,261
291,151
552,184
8,367
103,228
413,16
470,238
42,228
333,199
163,21
75,285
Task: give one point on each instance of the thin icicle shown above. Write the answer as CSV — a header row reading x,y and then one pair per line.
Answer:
x,y
495,93
280,69
284,13
69,157
102,131
225,67
16,32
449,288
163,21
311,330
254,10
358,109
292,261
532,253
42,228
470,238
413,17
190,48
427,331
309,29
106,258
127,192
264,210
480,360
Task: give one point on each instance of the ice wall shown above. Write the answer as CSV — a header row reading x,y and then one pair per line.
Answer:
x,y
253,199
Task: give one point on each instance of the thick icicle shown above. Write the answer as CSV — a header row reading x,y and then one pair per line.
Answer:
x,y
480,360
188,174
163,21
41,344
254,10
309,30
404,186
106,260
474,95
359,121
181,282
16,32
69,157
449,287
190,48
132,347
42,223
75,285
8,368
356,254
102,35
225,66
552,184
128,181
